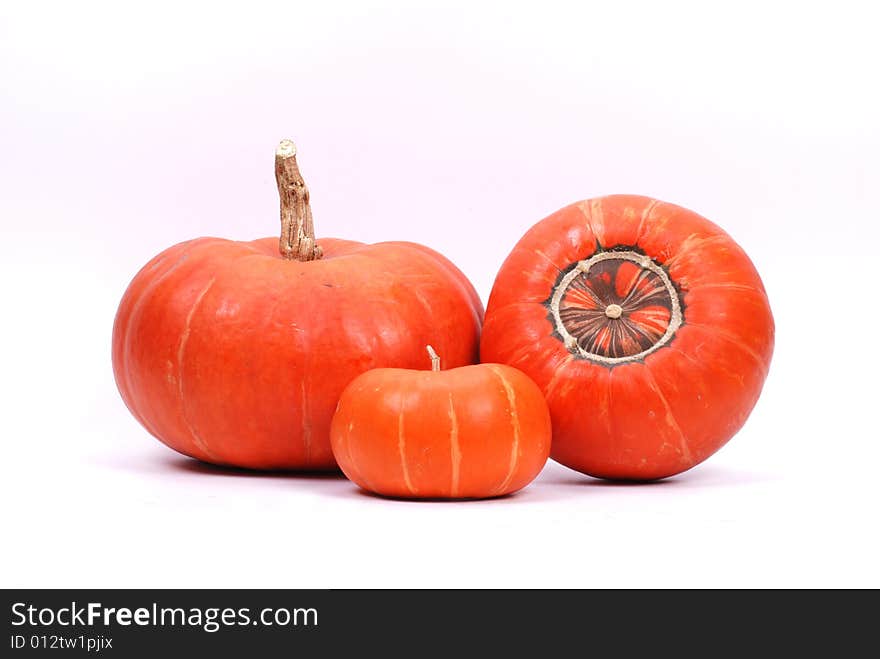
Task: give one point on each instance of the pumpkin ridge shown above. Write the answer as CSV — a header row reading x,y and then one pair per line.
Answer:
x,y
401,446
557,373
514,420
734,340
686,455
448,268
136,307
544,256
692,244
184,338
306,424
728,285
455,449
122,325
646,215
357,472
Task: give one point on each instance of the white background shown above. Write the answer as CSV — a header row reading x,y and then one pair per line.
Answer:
x,y
458,125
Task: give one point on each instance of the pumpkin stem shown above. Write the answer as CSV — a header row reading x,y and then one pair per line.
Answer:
x,y
297,229
435,359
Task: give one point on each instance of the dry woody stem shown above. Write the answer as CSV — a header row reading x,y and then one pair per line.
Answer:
x,y
435,359
297,229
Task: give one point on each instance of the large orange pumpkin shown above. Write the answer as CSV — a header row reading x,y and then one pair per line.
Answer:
x,y
464,433
235,353
646,326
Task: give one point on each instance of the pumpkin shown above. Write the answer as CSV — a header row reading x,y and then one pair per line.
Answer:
x,y
235,353
645,325
464,433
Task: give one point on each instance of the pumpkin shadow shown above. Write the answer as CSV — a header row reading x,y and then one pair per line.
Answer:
x,y
193,466
704,476
532,494
421,500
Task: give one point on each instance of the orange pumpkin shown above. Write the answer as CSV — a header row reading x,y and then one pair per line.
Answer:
x,y
646,326
469,432
235,353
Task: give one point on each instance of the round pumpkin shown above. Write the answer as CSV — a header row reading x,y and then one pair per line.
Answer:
x,y
464,433
236,353
646,326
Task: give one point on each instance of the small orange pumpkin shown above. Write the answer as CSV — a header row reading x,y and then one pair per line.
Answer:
x,y
467,433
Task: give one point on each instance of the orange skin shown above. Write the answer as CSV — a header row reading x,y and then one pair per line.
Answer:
x,y
663,414
466,433
229,353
